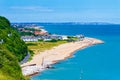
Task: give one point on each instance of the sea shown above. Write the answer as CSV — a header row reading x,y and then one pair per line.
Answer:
x,y
97,62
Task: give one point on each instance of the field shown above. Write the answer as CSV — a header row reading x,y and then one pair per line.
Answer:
x,y
37,47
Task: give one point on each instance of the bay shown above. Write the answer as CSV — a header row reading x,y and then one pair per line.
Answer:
x,y
98,62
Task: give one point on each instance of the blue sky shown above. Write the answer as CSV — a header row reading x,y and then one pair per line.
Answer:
x,y
61,10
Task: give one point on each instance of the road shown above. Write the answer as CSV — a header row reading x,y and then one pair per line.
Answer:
x,y
26,58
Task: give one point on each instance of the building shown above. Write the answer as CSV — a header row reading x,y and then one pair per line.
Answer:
x,y
40,33
29,38
57,37
64,37
47,39
81,37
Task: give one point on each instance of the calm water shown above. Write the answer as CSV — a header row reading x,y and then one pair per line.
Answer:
x,y
99,62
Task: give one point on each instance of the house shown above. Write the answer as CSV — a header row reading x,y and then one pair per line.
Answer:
x,y
40,33
47,39
43,30
20,29
26,31
34,27
81,37
29,38
64,37
57,37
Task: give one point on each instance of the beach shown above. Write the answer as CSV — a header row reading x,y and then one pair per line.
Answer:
x,y
43,59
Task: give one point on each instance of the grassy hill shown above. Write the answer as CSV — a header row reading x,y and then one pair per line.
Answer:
x,y
12,51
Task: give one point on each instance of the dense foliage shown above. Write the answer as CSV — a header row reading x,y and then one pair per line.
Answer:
x,y
26,33
12,51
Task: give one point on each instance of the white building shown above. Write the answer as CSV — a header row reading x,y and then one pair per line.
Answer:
x,y
81,37
64,37
29,39
47,39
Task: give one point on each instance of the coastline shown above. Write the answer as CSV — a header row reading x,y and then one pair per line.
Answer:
x,y
42,60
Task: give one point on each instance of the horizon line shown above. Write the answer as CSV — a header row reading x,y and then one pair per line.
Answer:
x,y
69,22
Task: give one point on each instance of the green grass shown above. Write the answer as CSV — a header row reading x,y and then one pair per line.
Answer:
x,y
5,77
12,50
73,38
37,47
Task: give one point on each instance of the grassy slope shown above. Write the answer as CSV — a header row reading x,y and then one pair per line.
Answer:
x,y
37,47
12,50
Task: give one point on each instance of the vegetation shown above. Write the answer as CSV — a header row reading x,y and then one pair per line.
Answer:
x,y
30,31
72,38
53,40
37,47
26,33
12,51
31,55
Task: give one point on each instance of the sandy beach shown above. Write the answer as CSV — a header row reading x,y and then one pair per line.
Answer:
x,y
58,53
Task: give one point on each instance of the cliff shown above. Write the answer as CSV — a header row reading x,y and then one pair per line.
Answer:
x,y
12,51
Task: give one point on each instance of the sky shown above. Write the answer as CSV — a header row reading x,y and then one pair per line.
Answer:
x,y
61,10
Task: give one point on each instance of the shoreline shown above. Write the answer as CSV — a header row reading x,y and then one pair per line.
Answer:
x,y
46,58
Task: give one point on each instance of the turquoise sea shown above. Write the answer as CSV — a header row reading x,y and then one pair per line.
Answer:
x,y
98,62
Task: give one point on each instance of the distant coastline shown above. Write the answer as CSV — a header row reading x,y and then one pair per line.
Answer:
x,y
67,23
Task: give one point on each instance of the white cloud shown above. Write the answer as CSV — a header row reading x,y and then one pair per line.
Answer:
x,y
34,8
